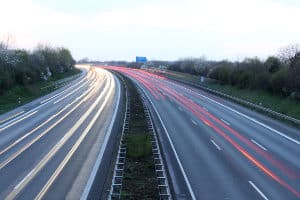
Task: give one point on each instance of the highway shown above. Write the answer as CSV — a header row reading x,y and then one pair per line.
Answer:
x,y
52,147
222,150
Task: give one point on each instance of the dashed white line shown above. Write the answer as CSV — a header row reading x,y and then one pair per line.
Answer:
x,y
258,190
227,123
214,143
261,146
173,148
180,108
205,109
195,123
251,119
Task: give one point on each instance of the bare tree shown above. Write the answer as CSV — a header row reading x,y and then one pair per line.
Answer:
x,y
286,53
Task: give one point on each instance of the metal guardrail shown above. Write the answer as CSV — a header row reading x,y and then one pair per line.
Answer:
x,y
163,185
116,185
240,101
63,82
117,180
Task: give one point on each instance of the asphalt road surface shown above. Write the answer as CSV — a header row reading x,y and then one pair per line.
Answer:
x,y
49,148
224,150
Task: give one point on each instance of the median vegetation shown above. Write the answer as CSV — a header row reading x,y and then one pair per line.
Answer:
x,y
139,177
25,75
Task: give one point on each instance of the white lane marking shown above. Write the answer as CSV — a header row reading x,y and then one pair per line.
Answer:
x,y
59,100
172,146
41,125
100,156
8,160
13,123
18,185
258,190
13,116
52,97
26,135
261,146
76,145
251,119
227,123
17,119
214,143
205,109
180,108
195,123
57,146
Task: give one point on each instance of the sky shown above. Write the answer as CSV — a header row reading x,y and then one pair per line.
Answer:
x,y
158,29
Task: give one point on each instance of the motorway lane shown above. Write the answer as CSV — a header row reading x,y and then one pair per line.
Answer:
x,y
12,133
224,151
69,126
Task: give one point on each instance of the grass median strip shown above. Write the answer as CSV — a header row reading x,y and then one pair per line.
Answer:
x,y
139,178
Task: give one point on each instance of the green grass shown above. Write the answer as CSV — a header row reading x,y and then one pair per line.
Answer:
x,y
26,93
138,145
277,103
139,178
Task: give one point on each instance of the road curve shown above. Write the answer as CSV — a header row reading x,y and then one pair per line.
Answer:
x,y
223,150
52,149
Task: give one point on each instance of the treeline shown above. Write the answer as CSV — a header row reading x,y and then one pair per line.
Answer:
x,y
277,74
18,66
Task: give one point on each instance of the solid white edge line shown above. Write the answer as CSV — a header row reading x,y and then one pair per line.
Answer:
x,y
214,143
258,190
70,93
60,93
100,156
261,146
42,124
23,115
173,148
15,122
10,117
251,119
53,151
71,152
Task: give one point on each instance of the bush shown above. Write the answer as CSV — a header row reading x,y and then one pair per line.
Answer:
x,y
273,64
262,81
222,73
278,82
23,67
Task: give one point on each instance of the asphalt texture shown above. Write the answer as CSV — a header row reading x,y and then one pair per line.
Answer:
x,y
221,150
50,148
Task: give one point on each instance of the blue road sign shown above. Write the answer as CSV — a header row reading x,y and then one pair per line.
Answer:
x,y
141,59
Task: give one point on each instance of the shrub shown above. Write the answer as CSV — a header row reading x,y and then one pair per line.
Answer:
x,y
278,82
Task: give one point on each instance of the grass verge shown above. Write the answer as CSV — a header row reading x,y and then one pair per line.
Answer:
x,y
276,103
139,177
22,94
